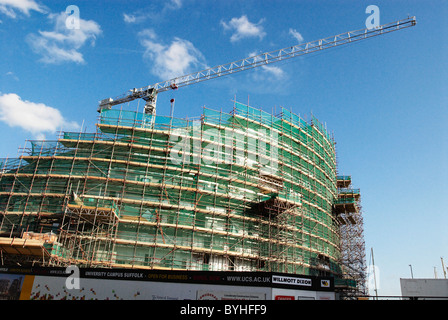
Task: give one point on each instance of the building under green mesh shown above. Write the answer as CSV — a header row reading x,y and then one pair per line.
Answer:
x,y
244,190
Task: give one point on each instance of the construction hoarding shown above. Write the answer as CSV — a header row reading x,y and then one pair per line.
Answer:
x,y
124,284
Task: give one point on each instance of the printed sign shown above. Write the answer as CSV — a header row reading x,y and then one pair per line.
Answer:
x,y
325,283
292,281
229,295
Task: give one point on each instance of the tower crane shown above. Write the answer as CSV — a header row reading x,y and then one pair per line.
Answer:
x,y
149,93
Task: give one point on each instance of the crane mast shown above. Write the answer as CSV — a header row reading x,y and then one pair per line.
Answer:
x,y
149,93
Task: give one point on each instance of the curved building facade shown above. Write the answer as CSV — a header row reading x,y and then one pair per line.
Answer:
x,y
242,191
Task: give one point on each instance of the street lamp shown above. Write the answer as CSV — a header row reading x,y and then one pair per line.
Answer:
x,y
412,275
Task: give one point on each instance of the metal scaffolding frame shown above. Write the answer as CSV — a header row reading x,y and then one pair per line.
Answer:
x,y
158,192
349,213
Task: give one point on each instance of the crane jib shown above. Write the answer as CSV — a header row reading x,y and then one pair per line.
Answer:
x,y
149,93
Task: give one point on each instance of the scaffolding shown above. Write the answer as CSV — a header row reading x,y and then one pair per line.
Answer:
x,y
348,211
86,236
245,191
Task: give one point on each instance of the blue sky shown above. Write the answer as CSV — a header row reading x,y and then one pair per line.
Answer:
x,y
384,99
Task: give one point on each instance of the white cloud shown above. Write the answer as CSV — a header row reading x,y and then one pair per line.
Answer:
x,y
133,18
178,58
274,71
154,12
243,28
129,18
296,34
9,7
266,72
174,4
11,74
36,118
62,44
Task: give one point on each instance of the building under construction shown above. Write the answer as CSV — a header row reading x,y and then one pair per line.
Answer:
x,y
238,191
244,191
